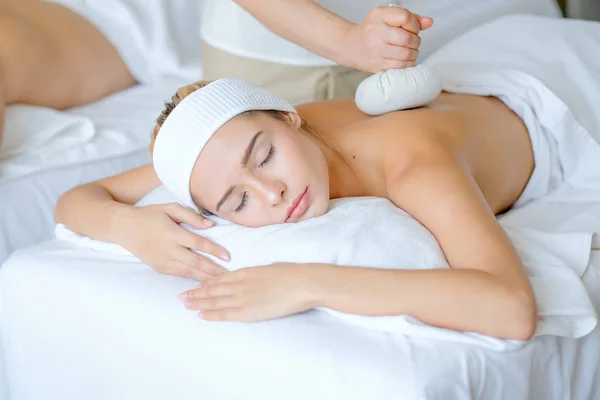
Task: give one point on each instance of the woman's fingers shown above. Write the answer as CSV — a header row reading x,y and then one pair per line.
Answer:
x,y
211,303
193,241
200,263
185,271
225,314
211,297
181,214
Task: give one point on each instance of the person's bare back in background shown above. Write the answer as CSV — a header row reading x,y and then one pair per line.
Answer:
x,y
51,56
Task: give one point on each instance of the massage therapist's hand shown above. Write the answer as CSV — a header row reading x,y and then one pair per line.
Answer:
x,y
387,39
152,233
254,294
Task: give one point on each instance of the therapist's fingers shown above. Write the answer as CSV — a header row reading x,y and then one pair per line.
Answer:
x,y
401,37
400,53
425,22
399,17
181,214
395,64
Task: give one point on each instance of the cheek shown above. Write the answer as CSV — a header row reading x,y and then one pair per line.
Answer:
x,y
292,158
303,156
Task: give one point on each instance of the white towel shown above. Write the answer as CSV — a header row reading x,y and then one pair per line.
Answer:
x,y
39,138
372,232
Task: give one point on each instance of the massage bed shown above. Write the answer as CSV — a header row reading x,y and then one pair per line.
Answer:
x,y
80,323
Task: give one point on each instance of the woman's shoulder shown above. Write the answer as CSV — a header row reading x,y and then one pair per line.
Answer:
x,y
395,138
331,115
381,148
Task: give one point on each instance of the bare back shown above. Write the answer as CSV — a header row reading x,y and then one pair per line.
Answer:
x,y
485,135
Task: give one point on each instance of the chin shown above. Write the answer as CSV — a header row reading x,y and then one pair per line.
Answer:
x,y
320,209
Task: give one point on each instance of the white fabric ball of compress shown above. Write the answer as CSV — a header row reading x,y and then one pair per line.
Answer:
x,y
398,89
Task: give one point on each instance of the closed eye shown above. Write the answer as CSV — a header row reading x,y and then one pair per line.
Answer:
x,y
243,203
268,157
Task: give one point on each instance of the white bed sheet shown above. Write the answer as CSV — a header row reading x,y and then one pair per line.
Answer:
x,y
77,323
455,17
32,181
27,204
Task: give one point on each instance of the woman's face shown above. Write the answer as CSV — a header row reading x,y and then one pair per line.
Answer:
x,y
256,171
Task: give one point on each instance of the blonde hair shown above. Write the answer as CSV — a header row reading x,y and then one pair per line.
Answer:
x,y
177,98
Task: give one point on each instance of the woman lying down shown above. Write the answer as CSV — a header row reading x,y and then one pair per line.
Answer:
x,y
239,152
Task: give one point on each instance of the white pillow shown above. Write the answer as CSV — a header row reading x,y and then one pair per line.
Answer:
x,y
368,231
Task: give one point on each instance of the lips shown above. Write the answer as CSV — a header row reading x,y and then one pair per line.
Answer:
x,y
298,206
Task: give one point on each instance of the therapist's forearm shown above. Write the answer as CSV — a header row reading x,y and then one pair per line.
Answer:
x,y
460,299
304,23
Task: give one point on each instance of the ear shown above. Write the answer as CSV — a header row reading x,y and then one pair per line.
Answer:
x,y
294,119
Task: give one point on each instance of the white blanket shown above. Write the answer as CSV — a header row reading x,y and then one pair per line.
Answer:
x,y
372,233
39,139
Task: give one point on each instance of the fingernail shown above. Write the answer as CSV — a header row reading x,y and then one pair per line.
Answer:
x,y
185,299
208,222
224,257
201,314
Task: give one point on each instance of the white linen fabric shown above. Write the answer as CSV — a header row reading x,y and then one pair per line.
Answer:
x,y
155,38
549,77
50,152
117,329
372,232
228,27
40,139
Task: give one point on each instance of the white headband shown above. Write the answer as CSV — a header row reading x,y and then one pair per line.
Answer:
x,y
195,119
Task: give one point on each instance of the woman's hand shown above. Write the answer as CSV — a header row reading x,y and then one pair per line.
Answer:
x,y
255,294
387,39
152,233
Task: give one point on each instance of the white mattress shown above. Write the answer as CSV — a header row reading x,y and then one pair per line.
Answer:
x,y
42,169
77,323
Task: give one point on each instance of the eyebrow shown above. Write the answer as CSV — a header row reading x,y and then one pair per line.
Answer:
x,y
244,163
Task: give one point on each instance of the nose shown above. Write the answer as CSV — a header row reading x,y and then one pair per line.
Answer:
x,y
272,190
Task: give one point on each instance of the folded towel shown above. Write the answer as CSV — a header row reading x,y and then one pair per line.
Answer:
x,y
372,232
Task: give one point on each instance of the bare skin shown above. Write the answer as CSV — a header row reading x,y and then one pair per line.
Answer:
x,y
53,57
451,165
483,132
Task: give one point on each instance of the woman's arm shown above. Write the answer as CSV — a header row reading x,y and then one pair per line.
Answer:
x,y
386,39
104,210
98,209
485,291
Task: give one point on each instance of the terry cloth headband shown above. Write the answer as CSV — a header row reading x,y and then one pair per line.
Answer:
x,y
195,119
